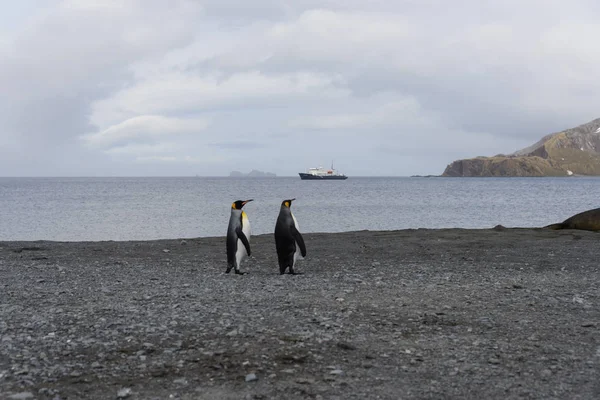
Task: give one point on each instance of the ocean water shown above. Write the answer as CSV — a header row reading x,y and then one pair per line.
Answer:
x,y
76,209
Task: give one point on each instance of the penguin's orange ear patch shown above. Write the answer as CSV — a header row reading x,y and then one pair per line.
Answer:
x,y
287,203
233,205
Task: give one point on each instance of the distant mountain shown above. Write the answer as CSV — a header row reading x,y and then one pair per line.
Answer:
x,y
252,174
573,151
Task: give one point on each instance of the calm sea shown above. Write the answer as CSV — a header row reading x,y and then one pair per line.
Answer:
x,y
74,209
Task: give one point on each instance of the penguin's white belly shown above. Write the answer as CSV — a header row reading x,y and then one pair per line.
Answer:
x,y
241,254
297,252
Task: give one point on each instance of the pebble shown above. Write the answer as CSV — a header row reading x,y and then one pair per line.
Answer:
x,y
546,373
251,378
486,321
305,381
124,393
21,396
337,372
346,346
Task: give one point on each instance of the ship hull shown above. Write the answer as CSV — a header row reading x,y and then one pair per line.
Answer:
x,y
311,177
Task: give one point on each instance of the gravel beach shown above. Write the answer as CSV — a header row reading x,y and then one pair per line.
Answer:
x,y
413,314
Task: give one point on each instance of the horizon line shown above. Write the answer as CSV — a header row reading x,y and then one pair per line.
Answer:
x,y
196,176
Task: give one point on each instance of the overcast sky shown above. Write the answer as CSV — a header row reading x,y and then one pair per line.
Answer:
x,y
153,87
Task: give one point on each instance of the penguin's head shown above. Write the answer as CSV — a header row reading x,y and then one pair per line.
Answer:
x,y
238,204
287,203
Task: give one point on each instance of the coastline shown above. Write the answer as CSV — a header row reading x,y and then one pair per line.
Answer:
x,y
418,313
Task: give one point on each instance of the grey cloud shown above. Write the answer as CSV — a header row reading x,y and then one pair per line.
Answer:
x,y
239,145
270,76
67,57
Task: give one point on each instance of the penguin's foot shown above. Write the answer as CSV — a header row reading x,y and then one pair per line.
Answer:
x,y
238,272
296,273
228,270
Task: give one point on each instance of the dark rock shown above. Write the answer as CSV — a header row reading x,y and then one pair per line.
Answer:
x,y
346,346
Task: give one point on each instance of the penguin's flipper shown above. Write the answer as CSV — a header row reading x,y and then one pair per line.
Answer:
x,y
244,240
298,238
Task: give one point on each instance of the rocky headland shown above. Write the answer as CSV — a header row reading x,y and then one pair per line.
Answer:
x,y
573,151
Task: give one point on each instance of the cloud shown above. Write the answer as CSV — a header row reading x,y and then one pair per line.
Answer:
x,y
168,159
220,85
145,148
234,145
180,159
380,115
187,92
63,57
144,128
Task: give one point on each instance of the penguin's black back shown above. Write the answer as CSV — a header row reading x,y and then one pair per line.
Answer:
x,y
286,239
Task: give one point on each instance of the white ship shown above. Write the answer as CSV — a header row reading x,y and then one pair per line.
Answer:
x,y
321,174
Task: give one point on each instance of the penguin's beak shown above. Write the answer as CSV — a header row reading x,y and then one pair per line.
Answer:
x,y
247,201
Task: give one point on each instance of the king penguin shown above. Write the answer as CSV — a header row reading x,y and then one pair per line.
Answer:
x,y
238,237
288,240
